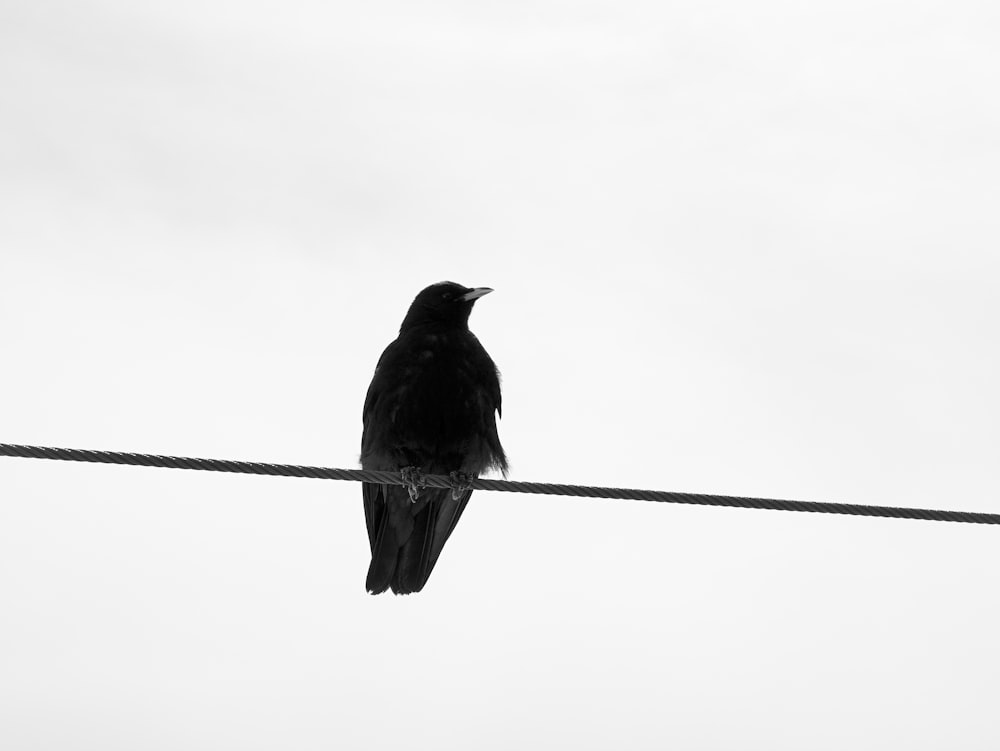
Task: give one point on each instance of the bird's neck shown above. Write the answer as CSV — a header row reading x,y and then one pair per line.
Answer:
x,y
432,326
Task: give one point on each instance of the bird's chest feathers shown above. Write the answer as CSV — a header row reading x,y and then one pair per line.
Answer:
x,y
439,386
439,363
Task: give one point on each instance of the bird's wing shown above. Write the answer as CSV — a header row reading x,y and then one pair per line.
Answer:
x,y
374,497
495,393
373,493
489,373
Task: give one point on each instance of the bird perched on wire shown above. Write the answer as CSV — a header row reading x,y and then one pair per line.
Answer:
x,y
429,409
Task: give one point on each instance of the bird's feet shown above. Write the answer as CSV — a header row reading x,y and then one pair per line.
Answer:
x,y
461,483
413,481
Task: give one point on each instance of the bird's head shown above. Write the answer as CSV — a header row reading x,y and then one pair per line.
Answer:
x,y
444,303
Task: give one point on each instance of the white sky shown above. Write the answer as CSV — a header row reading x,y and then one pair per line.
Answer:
x,y
745,248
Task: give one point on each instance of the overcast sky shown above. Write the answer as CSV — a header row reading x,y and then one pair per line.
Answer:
x,y
746,248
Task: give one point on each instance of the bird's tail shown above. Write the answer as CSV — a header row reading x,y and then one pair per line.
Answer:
x,y
432,527
385,551
408,537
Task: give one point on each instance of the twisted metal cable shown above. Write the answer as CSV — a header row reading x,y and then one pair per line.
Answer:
x,y
443,481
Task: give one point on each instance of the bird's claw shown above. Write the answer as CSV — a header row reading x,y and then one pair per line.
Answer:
x,y
413,481
461,483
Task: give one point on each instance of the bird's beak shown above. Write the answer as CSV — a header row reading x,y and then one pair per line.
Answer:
x,y
475,294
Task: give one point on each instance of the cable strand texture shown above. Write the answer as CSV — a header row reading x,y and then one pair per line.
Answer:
x,y
443,481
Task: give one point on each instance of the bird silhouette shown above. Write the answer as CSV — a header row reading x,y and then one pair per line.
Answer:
x,y
431,408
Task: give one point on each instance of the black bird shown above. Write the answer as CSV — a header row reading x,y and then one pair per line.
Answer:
x,y
430,409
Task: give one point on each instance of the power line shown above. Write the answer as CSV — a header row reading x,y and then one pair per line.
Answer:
x,y
443,481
